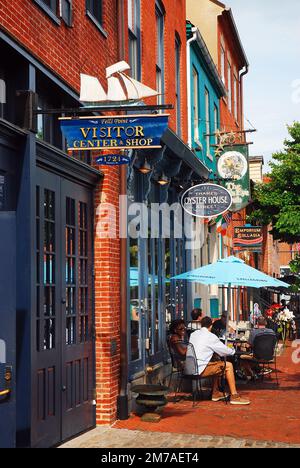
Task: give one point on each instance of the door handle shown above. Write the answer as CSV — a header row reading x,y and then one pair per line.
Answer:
x,y
63,301
64,388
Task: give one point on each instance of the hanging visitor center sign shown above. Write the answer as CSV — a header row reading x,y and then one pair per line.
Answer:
x,y
206,200
114,132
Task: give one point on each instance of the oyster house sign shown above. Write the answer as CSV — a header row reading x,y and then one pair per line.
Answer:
x,y
206,200
114,132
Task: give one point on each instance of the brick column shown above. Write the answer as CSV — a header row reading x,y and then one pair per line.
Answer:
x,y
107,298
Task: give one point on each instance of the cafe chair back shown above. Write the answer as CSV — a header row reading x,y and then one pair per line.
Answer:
x,y
265,353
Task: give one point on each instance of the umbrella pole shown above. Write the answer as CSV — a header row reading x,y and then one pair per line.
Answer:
x,y
228,311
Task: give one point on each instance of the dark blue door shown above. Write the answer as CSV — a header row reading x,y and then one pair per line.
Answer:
x,y
7,326
63,370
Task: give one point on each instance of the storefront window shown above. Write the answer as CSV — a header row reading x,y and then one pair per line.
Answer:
x,y
134,299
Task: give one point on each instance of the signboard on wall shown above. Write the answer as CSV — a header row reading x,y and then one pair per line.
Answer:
x,y
248,238
206,200
233,168
114,132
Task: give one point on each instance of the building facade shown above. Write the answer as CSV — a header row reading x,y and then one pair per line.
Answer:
x,y
63,302
219,31
156,180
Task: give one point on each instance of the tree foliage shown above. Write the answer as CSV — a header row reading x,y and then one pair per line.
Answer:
x,y
277,201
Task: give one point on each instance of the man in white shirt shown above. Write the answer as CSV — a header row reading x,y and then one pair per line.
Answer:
x,y
206,344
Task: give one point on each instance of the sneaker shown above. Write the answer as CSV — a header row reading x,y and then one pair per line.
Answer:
x,y
237,400
266,372
219,396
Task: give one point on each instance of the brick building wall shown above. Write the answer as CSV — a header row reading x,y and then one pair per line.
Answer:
x,y
67,52
175,23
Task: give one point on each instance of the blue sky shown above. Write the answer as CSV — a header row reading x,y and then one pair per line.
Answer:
x,y
270,32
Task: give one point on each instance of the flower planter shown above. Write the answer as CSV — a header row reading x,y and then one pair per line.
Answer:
x,y
151,397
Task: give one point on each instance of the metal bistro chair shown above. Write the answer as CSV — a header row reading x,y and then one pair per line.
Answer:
x,y
264,353
177,361
191,373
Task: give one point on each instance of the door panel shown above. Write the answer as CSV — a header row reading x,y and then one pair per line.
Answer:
x,y
8,324
77,289
63,362
46,411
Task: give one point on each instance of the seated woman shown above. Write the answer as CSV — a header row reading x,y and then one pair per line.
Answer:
x,y
178,337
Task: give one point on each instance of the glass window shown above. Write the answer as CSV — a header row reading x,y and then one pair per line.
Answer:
x,y
50,4
2,96
159,53
94,7
66,11
223,64
134,38
207,122
229,86
216,120
196,104
177,84
236,97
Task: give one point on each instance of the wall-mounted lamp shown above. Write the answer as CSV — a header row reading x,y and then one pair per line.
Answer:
x,y
163,180
146,168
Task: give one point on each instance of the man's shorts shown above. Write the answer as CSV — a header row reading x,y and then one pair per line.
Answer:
x,y
213,368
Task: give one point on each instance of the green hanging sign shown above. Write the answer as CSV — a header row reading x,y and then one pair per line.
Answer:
x,y
233,168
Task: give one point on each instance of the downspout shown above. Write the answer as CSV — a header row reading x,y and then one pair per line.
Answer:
x,y
122,400
189,92
242,93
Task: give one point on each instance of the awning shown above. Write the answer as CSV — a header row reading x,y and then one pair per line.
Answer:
x,y
183,152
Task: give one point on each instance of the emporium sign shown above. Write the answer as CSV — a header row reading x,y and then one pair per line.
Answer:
x,y
114,132
248,238
206,200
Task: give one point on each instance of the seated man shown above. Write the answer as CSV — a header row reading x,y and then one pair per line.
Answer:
x,y
195,324
206,344
261,330
219,326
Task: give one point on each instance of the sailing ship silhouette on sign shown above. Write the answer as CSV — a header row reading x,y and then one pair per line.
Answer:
x,y
120,87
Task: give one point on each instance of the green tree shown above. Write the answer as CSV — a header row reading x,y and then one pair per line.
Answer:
x,y
277,201
295,268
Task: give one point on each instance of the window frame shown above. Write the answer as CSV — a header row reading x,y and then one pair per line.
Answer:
x,y
177,83
235,96
207,121
223,64
229,85
216,120
98,22
51,11
134,38
160,51
196,105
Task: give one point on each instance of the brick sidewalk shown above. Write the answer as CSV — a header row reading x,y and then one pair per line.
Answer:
x,y
274,413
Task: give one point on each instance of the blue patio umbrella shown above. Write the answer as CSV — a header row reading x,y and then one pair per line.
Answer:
x,y
134,278
231,271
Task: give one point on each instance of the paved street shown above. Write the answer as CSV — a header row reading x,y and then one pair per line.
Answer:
x,y
271,421
107,437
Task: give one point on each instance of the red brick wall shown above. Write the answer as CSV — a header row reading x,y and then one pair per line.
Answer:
x,y
82,48
175,22
67,52
228,121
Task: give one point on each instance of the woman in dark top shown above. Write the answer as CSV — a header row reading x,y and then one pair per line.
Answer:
x,y
178,336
